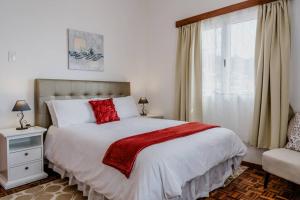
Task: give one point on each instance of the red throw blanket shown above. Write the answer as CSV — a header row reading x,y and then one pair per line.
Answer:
x,y
122,153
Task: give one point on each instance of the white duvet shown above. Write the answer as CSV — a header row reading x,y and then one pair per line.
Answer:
x,y
160,170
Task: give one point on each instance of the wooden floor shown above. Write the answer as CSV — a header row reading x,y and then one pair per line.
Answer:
x,y
248,186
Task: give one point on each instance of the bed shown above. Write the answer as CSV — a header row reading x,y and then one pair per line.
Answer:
x,y
185,168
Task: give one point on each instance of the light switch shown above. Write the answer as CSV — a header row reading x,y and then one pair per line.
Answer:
x,y
12,56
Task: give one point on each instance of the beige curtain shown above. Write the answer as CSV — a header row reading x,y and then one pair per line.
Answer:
x,y
188,70
273,45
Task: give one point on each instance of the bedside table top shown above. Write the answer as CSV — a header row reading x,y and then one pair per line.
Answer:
x,y
13,132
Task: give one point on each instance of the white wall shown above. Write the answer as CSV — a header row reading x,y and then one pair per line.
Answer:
x,y
36,31
295,66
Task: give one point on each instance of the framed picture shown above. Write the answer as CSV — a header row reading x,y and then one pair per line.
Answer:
x,y
85,51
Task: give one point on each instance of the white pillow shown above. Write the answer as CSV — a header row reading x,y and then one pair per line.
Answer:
x,y
126,107
52,113
75,111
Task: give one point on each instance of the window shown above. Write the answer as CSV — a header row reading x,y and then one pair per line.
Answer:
x,y
228,48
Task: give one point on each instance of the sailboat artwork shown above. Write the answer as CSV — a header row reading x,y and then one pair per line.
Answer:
x,y
85,51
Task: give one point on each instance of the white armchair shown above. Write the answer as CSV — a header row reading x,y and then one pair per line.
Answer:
x,y
282,162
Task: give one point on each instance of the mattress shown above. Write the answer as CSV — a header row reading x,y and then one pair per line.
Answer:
x,y
167,170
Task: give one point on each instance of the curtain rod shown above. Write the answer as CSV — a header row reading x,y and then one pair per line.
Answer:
x,y
221,11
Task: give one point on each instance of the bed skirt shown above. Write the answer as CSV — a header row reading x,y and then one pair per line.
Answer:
x,y
193,189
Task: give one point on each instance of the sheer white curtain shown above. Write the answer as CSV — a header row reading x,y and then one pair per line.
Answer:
x,y
228,50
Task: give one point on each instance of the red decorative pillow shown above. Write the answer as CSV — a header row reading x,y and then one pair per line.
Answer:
x,y
104,111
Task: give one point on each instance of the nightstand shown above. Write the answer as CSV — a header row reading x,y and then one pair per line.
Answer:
x,y
22,159
154,116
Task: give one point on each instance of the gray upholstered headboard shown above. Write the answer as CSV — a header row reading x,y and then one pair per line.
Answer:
x,y
50,89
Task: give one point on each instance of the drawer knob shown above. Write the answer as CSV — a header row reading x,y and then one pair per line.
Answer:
x,y
26,154
26,168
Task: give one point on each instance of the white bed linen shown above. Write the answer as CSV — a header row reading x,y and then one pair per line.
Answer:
x,y
160,171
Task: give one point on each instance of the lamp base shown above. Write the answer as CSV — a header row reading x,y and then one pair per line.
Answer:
x,y
20,128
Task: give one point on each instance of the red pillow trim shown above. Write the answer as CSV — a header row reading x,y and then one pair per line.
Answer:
x,y
104,111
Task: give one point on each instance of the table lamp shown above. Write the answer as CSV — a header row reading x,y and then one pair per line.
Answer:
x,y
21,105
143,101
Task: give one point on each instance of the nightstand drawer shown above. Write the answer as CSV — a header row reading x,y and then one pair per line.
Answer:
x,y
25,170
25,156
